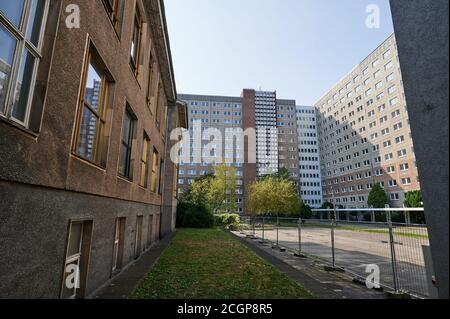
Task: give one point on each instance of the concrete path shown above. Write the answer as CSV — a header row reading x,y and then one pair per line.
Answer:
x,y
311,274
124,284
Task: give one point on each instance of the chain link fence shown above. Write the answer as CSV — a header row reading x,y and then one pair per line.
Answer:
x,y
394,241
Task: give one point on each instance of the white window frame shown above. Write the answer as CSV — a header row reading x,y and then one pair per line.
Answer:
x,y
20,35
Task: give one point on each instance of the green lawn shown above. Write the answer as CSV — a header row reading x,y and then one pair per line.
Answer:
x,y
211,264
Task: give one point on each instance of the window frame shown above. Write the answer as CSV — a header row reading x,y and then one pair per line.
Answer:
x,y
137,21
113,11
144,161
101,146
132,132
22,44
155,171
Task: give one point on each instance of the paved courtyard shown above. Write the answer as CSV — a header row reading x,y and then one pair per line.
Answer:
x,y
354,250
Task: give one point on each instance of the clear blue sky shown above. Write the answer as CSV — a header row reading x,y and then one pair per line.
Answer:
x,y
301,48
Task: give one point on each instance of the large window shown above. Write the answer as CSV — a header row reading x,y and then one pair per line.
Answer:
x,y
136,41
143,181
91,140
76,260
155,171
21,28
151,80
119,238
113,7
128,131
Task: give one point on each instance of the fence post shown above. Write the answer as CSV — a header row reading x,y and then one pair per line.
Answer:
x,y
263,229
300,236
407,218
393,254
278,224
333,255
254,230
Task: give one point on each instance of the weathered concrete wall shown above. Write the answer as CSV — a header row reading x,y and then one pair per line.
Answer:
x,y
34,230
421,28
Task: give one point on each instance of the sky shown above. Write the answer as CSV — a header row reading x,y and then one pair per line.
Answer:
x,y
300,48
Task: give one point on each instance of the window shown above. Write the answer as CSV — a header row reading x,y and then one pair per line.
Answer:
x,y
125,162
161,101
404,167
77,259
392,89
402,153
143,181
21,28
112,8
119,238
150,231
151,80
392,183
394,101
155,171
406,181
136,42
395,196
138,238
388,66
91,139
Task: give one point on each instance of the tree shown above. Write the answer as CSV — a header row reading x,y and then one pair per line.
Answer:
x,y
377,197
413,199
305,211
217,191
221,194
327,205
283,173
273,196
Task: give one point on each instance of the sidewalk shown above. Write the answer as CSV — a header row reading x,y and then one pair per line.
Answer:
x,y
123,286
311,274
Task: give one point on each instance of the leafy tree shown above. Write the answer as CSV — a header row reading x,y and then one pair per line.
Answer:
x,y
305,211
377,197
221,195
327,205
217,191
413,199
283,174
273,196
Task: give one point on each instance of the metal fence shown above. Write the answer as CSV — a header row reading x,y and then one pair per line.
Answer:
x,y
353,240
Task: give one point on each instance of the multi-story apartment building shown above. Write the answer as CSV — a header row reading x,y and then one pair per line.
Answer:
x,y
86,184
288,139
273,123
364,133
309,158
206,114
266,133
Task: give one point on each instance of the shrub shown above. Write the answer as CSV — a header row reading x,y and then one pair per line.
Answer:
x,y
228,221
305,211
377,197
194,216
413,199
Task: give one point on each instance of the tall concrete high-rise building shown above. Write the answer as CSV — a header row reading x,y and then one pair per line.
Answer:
x,y
308,154
272,122
287,139
206,113
266,133
364,133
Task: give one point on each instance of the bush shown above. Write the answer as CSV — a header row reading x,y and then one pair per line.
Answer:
x,y
228,221
377,197
194,216
305,211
